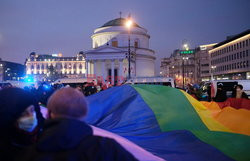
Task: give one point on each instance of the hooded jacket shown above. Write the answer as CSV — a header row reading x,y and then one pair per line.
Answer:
x,y
13,102
73,140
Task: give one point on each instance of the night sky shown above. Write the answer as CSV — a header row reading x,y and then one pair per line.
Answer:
x,y
52,26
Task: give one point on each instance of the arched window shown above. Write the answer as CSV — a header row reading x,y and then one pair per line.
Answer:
x,y
80,66
114,42
136,44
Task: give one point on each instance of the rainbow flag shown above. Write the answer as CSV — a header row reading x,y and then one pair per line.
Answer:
x,y
171,124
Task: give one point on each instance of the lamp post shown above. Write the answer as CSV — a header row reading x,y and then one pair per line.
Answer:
x,y
183,76
129,23
212,70
185,47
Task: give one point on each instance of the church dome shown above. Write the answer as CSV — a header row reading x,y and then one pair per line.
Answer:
x,y
118,22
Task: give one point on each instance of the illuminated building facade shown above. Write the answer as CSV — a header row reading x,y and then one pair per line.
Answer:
x,y
231,58
42,67
203,67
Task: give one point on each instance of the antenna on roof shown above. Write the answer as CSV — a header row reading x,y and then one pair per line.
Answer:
x,y
120,14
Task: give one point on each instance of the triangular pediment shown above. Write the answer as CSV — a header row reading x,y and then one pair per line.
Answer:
x,y
106,49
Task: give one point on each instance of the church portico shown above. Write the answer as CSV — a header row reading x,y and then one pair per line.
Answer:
x,y
111,66
110,70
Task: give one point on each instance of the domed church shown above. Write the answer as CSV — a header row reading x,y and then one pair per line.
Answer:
x,y
108,58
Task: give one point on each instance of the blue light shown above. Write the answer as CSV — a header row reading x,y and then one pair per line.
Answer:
x,y
29,78
46,87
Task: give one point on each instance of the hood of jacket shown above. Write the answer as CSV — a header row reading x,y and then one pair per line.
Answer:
x,y
62,134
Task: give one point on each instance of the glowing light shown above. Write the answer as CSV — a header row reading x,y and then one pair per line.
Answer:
x,y
213,67
28,71
185,46
46,87
129,23
29,78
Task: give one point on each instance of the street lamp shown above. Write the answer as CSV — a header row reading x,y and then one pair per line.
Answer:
x,y
183,76
129,24
185,46
212,70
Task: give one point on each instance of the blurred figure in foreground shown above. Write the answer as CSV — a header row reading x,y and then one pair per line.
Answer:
x,y
20,121
67,137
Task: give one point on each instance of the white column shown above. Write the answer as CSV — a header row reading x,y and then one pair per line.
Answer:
x,y
112,72
87,68
120,70
77,68
91,68
104,71
95,66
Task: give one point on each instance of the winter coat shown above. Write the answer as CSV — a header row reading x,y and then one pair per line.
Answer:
x,y
73,140
13,102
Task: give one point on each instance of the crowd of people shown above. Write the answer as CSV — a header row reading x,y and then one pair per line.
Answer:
x,y
202,94
60,135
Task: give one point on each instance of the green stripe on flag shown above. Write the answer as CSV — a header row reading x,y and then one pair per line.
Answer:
x,y
233,145
172,109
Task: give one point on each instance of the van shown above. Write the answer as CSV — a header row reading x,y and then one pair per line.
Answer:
x,y
165,81
228,86
74,82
